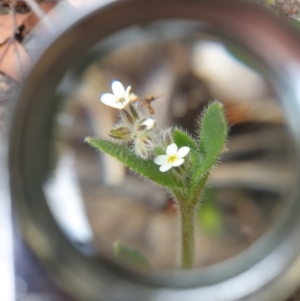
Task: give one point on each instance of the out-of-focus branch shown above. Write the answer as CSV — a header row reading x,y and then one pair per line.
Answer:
x,y
40,14
14,22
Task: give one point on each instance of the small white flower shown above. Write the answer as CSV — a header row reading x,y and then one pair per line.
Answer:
x,y
173,158
120,97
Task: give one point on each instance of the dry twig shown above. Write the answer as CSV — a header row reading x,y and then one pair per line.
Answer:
x,y
40,14
17,54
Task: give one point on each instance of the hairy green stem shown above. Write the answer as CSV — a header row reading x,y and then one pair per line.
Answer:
x,y
187,216
188,209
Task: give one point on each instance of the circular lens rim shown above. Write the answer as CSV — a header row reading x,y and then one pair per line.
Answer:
x,y
232,20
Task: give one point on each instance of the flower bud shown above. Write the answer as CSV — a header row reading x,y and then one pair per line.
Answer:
x,y
134,111
148,142
120,133
146,124
167,136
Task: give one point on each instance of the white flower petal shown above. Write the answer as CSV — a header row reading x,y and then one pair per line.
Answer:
x,y
172,149
127,91
160,160
183,151
110,100
165,167
118,89
178,162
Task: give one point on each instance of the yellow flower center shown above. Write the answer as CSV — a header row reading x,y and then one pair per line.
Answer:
x,y
121,99
172,158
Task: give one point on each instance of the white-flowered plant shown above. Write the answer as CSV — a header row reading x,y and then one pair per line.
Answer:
x,y
173,158
184,162
120,97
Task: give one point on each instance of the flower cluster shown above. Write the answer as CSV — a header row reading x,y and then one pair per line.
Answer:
x,y
139,131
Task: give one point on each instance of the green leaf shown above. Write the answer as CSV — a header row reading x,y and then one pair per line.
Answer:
x,y
182,139
146,168
212,138
213,135
130,255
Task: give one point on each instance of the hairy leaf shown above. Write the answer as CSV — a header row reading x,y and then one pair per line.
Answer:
x,y
146,168
182,139
213,135
212,138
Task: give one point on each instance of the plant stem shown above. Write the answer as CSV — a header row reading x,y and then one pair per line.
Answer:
x,y
187,215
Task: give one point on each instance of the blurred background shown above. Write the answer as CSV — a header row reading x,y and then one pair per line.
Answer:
x,y
247,189
94,199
